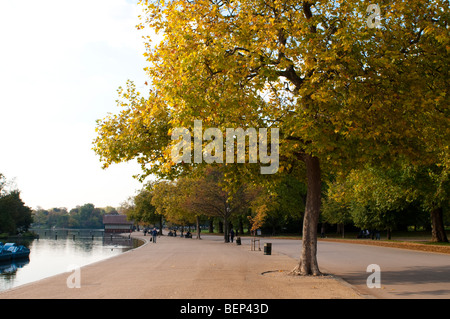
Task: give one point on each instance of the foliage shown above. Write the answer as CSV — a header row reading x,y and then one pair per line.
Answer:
x,y
169,199
188,198
378,198
143,210
280,205
15,216
85,216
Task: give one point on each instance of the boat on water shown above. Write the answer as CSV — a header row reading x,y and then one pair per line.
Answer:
x,y
12,251
5,255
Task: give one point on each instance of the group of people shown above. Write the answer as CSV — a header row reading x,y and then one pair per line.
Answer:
x,y
174,234
154,234
365,233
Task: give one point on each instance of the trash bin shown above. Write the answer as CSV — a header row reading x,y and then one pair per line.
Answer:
x,y
238,240
267,248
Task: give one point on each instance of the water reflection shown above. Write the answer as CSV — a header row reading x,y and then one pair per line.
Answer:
x,y
9,268
55,250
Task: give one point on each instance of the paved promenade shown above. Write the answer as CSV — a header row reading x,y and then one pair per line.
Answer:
x,y
180,268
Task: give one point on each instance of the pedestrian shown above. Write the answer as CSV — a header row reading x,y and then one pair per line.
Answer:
x,y
232,234
154,233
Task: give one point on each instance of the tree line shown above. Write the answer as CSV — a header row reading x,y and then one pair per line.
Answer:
x,y
86,216
279,207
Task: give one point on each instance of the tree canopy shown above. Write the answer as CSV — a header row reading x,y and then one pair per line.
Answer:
x,y
342,92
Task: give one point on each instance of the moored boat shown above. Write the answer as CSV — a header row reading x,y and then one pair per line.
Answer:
x,y
16,251
5,255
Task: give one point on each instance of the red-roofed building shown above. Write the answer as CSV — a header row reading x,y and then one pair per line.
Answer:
x,y
117,224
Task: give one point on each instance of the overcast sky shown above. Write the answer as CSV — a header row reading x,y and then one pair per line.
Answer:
x,y
61,63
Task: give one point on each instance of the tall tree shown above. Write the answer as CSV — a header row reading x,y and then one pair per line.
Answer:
x,y
340,91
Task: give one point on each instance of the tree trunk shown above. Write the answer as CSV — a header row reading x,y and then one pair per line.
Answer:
x,y
308,260
241,226
160,225
225,230
197,219
211,225
437,226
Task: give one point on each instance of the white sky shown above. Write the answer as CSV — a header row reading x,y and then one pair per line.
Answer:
x,y
61,63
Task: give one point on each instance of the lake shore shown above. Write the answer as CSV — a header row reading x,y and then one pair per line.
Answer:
x,y
175,268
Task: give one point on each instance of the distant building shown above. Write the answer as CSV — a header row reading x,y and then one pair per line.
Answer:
x,y
117,224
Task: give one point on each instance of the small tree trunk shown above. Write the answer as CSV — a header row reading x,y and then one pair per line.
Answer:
x,y
197,220
437,226
241,226
308,260
225,230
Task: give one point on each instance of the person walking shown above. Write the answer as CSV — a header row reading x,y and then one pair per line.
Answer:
x,y
232,234
154,234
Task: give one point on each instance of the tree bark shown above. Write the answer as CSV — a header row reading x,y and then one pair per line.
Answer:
x,y
197,219
211,225
308,261
437,226
225,229
241,226
160,225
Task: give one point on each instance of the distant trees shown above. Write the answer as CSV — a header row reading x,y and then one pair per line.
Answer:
x,y
15,216
385,199
141,210
171,201
85,216
208,196
190,199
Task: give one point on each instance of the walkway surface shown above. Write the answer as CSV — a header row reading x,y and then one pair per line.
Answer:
x,y
179,268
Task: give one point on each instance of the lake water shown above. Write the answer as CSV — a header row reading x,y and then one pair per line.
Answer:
x,y
55,251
